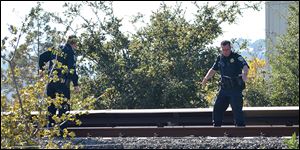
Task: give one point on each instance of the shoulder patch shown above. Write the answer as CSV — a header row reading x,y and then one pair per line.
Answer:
x,y
241,58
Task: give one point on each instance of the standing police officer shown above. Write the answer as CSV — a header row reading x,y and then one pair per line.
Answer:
x,y
66,56
233,80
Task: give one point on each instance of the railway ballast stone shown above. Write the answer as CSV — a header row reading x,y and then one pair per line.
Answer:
x,y
178,142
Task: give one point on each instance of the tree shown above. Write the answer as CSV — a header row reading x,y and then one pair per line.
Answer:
x,y
20,126
284,63
159,66
257,93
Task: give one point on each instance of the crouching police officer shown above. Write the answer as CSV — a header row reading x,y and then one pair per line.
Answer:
x,y
233,69
66,56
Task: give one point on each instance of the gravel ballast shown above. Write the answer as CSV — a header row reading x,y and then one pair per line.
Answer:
x,y
177,142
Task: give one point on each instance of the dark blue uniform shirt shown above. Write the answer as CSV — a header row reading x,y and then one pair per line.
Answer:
x,y
68,59
230,66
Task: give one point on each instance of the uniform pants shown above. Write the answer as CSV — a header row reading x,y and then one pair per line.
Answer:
x,y
223,99
60,88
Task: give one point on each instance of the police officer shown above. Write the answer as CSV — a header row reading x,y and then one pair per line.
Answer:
x,y
233,69
66,56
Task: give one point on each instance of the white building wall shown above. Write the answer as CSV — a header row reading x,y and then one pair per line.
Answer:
x,y
276,21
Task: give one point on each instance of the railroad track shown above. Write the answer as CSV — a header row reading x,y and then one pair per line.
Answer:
x,y
181,131
183,117
260,121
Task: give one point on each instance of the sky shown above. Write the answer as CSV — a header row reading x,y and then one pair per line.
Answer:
x,y
250,26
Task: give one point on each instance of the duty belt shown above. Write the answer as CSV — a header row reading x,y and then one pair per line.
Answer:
x,y
232,82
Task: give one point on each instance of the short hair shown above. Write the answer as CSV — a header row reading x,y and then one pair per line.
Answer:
x,y
72,39
225,42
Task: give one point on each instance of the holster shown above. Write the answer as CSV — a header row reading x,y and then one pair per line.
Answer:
x,y
232,82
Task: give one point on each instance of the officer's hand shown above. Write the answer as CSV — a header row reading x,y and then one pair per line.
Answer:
x,y
204,81
41,74
244,77
77,89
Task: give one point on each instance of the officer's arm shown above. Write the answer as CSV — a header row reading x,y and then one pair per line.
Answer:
x,y
245,70
209,74
44,58
245,73
245,67
212,71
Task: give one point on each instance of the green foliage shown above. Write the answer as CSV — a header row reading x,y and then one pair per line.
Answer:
x,y
292,143
25,129
158,67
278,86
256,93
20,126
284,63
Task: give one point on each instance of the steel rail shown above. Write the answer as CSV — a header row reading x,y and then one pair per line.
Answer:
x,y
192,116
181,131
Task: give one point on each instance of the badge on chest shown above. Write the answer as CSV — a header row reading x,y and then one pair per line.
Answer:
x,y
231,60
